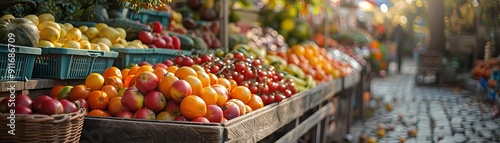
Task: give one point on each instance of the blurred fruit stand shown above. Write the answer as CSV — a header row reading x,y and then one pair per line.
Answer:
x,y
180,71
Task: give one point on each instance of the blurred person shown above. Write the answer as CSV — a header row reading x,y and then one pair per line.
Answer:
x,y
399,37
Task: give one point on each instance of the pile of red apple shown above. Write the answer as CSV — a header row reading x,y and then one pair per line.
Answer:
x,y
159,38
23,104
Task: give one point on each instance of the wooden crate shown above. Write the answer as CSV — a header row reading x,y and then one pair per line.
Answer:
x,y
131,130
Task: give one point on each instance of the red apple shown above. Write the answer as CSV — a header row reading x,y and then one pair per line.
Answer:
x,y
157,27
4,105
176,42
181,118
145,114
169,45
52,107
180,89
214,114
68,106
230,110
201,120
168,63
125,114
145,37
222,93
146,82
173,107
144,63
152,46
156,35
131,88
160,65
23,100
133,100
23,110
37,104
155,101
167,39
159,42
166,116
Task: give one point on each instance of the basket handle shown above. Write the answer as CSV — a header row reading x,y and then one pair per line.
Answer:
x,y
65,118
94,55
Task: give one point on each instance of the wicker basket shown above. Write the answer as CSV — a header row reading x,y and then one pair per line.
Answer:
x,y
62,128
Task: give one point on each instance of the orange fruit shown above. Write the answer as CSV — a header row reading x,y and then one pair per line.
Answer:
x,y
99,113
94,81
209,95
204,78
248,109
114,81
144,69
79,92
98,100
193,107
115,105
111,91
160,72
241,93
255,102
233,83
128,79
213,78
112,71
125,73
133,70
185,71
172,69
164,85
224,82
298,49
196,85
54,92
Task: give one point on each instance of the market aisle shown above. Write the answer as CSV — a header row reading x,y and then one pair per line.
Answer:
x,y
439,114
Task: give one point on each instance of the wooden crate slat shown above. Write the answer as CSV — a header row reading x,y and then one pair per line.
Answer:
x,y
293,107
7,85
122,130
263,122
41,83
305,126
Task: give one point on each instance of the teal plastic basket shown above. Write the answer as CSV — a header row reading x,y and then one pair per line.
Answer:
x,y
21,68
63,63
129,56
146,16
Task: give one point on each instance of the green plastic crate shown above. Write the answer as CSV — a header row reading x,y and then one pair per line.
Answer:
x,y
146,16
23,63
63,63
129,56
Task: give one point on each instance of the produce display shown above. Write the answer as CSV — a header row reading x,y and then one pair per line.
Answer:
x,y
43,104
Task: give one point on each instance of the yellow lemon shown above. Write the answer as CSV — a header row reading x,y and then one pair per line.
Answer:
x,y
135,45
45,44
117,45
92,32
288,24
49,33
57,45
122,32
33,18
83,28
74,34
72,44
62,41
109,33
122,42
68,26
46,17
63,33
99,26
49,23
137,41
94,40
7,16
95,47
84,44
103,47
84,38
145,46
105,41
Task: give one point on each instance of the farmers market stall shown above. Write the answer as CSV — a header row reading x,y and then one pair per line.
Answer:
x,y
150,72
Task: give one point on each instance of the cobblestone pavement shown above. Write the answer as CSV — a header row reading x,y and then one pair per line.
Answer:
x,y
437,114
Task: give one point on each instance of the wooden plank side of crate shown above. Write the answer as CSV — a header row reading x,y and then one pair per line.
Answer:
x,y
257,125
349,81
306,125
7,86
293,107
123,130
322,93
338,85
41,83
